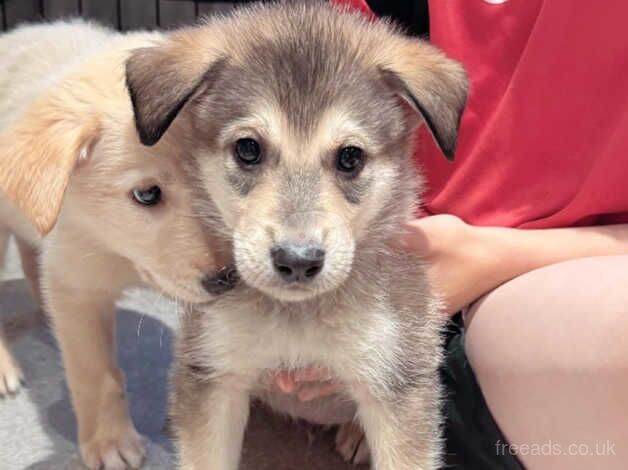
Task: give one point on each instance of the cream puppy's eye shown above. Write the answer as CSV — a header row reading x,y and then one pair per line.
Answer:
x,y
147,197
350,160
248,151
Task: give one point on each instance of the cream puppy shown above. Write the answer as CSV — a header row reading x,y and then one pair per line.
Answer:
x,y
93,212
303,119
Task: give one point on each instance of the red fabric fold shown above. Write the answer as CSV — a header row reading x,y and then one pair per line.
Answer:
x,y
544,138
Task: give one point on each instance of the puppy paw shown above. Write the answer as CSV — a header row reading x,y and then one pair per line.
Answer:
x,y
111,452
351,444
11,378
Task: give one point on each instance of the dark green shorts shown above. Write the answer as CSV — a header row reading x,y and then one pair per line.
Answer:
x,y
472,436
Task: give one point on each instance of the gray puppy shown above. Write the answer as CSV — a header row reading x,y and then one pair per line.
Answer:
x,y
300,121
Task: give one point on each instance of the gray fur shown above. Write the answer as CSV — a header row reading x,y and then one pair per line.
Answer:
x,y
300,190
369,316
354,189
241,182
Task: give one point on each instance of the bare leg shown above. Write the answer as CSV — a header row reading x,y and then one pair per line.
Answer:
x,y
549,350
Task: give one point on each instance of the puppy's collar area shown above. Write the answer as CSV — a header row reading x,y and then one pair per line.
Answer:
x,y
223,281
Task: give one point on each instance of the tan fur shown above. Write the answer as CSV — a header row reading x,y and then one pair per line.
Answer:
x,y
304,81
70,158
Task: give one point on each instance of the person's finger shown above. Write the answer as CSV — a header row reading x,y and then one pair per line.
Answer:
x,y
318,391
284,381
313,374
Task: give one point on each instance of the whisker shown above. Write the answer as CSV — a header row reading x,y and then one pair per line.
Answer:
x,y
139,325
158,299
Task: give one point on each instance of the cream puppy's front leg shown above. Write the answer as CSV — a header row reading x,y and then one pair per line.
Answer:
x,y
209,419
29,256
79,293
10,374
84,324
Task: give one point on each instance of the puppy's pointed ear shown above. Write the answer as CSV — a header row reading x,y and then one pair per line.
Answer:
x,y
37,156
162,79
433,85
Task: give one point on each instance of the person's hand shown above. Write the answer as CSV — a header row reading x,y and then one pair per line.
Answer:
x,y
455,257
306,384
465,261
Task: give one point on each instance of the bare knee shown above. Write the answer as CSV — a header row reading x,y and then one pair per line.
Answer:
x,y
549,354
569,313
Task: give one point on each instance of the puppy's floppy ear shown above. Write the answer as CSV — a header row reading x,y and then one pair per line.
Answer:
x,y
433,85
37,156
162,79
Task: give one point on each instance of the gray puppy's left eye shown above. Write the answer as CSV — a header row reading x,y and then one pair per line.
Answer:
x,y
248,151
350,160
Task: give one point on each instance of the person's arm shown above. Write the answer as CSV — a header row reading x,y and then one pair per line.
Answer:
x,y
466,262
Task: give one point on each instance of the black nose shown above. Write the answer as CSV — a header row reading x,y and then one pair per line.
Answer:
x,y
297,263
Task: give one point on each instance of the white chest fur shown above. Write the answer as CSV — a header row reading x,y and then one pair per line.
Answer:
x,y
248,336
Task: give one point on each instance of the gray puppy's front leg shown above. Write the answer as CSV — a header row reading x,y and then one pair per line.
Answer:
x,y
209,418
402,428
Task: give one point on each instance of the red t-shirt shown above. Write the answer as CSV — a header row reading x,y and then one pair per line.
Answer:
x,y
544,138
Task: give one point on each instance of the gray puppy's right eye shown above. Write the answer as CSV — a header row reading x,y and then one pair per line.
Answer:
x,y
147,197
248,152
